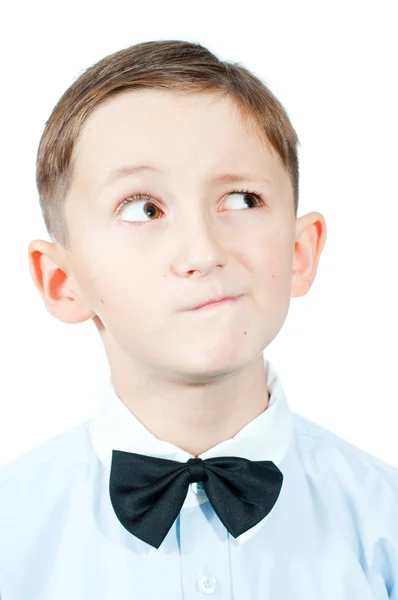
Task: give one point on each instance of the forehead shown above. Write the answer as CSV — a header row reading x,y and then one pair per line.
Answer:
x,y
184,133
153,109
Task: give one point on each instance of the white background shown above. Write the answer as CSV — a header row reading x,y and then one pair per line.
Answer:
x,y
333,65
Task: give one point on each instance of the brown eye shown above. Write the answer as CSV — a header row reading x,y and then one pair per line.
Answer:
x,y
134,206
251,198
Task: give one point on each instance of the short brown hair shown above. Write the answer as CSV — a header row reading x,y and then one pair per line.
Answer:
x,y
173,65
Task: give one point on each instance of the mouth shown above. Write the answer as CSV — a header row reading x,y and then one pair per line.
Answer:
x,y
216,304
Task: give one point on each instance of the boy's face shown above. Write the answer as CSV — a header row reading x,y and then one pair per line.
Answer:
x,y
141,270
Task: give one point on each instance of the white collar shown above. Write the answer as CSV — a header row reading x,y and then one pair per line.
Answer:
x,y
266,437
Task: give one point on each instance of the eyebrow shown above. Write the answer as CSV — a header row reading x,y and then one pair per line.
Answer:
x,y
126,171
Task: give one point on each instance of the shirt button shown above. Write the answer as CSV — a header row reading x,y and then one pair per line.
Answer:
x,y
197,487
206,584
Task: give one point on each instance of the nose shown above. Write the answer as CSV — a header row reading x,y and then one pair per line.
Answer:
x,y
200,251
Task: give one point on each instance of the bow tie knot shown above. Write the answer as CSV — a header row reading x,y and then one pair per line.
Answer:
x,y
196,470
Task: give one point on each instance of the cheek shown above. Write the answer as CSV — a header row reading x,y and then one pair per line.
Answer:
x,y
127,298
127,286
272,254
272,270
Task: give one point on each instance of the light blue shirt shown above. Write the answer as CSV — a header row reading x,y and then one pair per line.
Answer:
x,y
332,534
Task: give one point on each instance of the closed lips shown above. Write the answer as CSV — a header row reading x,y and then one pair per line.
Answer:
x,y
215,300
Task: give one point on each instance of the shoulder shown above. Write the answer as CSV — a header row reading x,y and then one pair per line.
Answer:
x,y
359,492
39,491
348,475
55,457
328,449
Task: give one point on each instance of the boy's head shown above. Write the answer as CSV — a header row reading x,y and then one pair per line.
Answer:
x,y
190,235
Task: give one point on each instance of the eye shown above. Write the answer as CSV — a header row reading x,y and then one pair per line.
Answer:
x,y
151,209
133,202
258,199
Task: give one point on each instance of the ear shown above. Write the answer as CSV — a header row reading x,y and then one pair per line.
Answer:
x,y
310,240
60,291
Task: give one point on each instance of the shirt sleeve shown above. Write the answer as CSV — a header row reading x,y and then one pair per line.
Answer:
x,y
387,544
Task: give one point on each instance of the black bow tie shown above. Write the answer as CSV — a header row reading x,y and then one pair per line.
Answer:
x,y
147,492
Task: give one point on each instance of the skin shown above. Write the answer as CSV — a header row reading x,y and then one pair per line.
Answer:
x,y
194,379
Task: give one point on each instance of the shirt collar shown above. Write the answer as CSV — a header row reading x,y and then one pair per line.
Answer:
x,y
266,437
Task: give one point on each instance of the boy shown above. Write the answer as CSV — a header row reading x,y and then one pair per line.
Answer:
x,y
160,167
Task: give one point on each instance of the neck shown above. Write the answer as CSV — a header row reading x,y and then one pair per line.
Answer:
x,y
193,416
